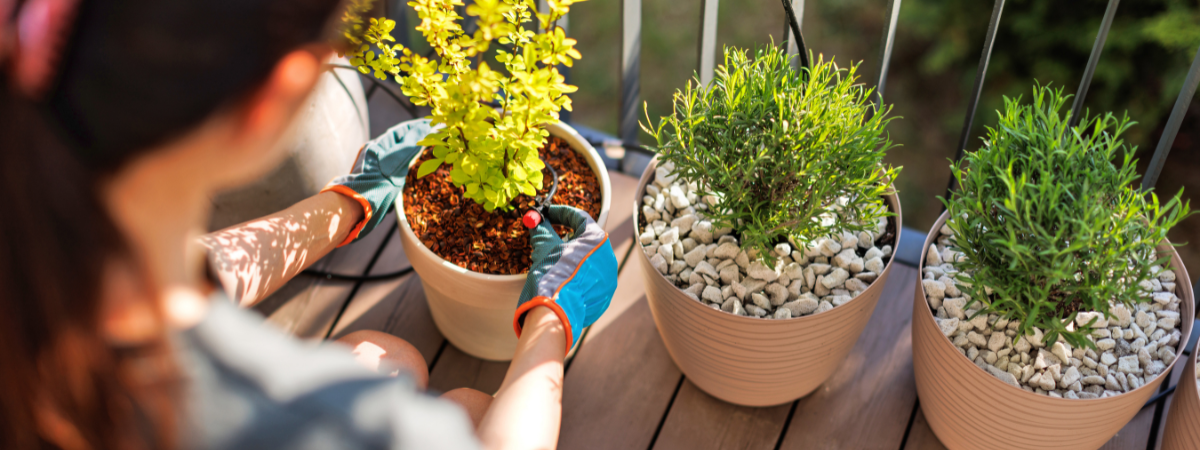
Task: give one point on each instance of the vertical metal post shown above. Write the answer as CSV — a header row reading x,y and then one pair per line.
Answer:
x,y
885,57
631,47
1168,137
975,93
707,49
1090,70
793,50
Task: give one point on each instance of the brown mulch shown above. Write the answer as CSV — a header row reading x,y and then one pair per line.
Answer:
x,y
462,232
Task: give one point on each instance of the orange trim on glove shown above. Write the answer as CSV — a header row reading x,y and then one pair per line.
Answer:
x,y
580,265
542,300
366,206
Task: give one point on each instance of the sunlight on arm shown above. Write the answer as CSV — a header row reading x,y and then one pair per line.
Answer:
x,y
250,269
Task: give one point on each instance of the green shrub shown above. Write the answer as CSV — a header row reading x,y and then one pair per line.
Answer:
x,y
1049,224
790,156
493,151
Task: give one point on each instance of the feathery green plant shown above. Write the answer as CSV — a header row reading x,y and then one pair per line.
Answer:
x,y
1049,224
789,156
493,150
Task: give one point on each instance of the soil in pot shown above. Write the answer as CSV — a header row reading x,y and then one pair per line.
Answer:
x,y
463,233
1133,347
710,267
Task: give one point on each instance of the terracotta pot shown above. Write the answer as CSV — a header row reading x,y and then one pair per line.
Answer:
x,y
968,408
322,144
475,310
1183,422
751,361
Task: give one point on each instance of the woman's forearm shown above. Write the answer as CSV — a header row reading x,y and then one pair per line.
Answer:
x,y
254,259
527,411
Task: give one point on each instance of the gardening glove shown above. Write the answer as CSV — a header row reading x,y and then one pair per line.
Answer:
x,y
575,279
378,174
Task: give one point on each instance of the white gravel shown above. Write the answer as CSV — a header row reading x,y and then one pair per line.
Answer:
x,y
709,265
1134,346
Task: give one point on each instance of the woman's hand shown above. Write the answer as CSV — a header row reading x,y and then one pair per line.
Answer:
x,y
575,279
378,175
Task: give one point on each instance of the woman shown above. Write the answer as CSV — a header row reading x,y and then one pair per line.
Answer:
x,y
118,120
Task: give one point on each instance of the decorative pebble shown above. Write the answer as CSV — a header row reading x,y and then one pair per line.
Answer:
x,y
709,265
1133,344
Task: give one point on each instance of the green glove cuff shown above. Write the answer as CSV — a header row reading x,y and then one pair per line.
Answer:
x,y
379,173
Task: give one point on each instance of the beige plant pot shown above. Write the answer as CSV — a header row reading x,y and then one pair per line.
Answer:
x,y
1183,422
751,361
475,310
968,408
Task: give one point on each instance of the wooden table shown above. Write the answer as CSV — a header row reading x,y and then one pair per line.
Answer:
x,y
622,391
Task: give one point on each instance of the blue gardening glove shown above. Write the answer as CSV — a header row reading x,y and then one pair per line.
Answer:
x,y
378,175
575,279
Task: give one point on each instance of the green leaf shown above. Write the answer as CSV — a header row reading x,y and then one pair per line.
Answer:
x,y
428,167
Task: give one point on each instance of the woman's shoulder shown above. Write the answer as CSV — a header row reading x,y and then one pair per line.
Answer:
x,y
250,385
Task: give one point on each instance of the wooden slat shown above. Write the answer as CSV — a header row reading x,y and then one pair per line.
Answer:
x,y
920,437
620,214
699,421
306,306
867,402
455,369
619,385
397,307
1135,434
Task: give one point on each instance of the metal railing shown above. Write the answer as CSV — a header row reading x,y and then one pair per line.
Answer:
x,y
706,48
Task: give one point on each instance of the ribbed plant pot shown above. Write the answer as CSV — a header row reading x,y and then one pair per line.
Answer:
x,y
755,361
1183,422
475,310
968,408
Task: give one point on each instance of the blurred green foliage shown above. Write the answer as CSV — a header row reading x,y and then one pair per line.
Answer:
x,y
1141,70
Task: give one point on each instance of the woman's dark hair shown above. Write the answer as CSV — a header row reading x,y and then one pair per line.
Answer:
x,y
133,74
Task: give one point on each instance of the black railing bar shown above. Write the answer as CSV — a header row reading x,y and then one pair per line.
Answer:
x,y
631,42
1177,113
706,49
885,57
404,103
1161,395
376,83
794,24
1090,70
798,7
984,59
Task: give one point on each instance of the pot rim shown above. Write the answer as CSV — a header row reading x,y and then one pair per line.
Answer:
x,y
1185,304
555,128
891,199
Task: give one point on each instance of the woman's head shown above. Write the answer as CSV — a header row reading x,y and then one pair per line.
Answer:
x,y
204,88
